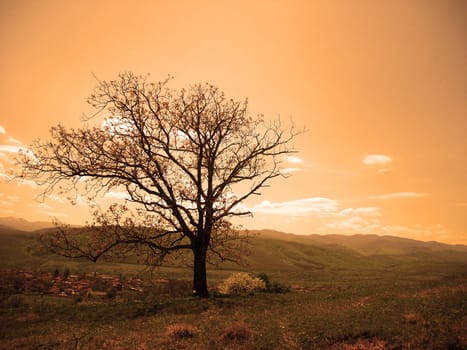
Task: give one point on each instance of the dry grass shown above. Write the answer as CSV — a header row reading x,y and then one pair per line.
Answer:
x,y
238,331
362,344
362,316
412,317
181,331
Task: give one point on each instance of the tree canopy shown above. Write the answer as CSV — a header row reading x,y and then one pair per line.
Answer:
x,y
185,160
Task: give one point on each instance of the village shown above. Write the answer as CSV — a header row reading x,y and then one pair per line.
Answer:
x,y
88,285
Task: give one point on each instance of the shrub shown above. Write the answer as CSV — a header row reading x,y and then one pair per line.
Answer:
x,y
273,286
237,331
181,331
265,278
276,287
241,283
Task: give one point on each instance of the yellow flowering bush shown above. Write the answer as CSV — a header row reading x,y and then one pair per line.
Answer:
x,y
241,283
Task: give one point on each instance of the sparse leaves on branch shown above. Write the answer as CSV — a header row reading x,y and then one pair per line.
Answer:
x,y
180,156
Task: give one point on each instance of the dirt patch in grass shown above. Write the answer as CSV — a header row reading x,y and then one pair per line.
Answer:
x,y
439,291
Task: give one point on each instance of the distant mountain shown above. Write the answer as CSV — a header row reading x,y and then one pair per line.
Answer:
x,y
366,244
23,225
300,258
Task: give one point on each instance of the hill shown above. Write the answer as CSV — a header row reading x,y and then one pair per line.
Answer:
x,y
365,244
286,257
22,224
314,257
346,289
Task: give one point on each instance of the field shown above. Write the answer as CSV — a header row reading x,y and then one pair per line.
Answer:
x,y
343,298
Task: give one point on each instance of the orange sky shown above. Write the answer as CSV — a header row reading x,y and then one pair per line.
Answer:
x,y
381,87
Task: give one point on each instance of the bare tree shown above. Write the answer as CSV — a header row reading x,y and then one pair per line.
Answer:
x,y
186,160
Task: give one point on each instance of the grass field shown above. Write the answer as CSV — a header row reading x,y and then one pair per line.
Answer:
x,y
416,299
365,314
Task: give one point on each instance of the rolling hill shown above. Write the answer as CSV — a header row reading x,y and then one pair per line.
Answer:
x,y
286,256
22,224
365,244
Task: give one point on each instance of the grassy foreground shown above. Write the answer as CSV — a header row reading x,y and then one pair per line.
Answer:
x,y
359,293
423,313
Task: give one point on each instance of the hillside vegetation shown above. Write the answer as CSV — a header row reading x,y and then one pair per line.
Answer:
x,y
349,293
292,258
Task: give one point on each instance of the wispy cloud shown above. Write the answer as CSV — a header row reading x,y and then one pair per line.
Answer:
x,y
290,170
395,195
325,215
7,149
56,198
47,210
117,195
24,182
42,206
377,159
8,201
328,216
366,211
293,159
13,140
55,214
79,200
299,207
11,147
3,174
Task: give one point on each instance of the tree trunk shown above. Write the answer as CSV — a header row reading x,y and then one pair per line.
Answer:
x,y
200,283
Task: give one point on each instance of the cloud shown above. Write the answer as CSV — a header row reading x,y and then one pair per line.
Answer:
x,y
117,195
117,125
55,214
3,173
328,216
5,149
353,220
9,151
56,198
399,195
8,201
290,170
376,160
49,211
13,140
24,182
2,130
42,206
299,207
293,159
366,211
79,200
323,215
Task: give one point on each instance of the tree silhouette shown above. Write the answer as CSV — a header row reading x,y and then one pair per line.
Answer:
x,y
185,161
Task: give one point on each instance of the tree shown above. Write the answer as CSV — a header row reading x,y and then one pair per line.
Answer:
x,y
185,161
